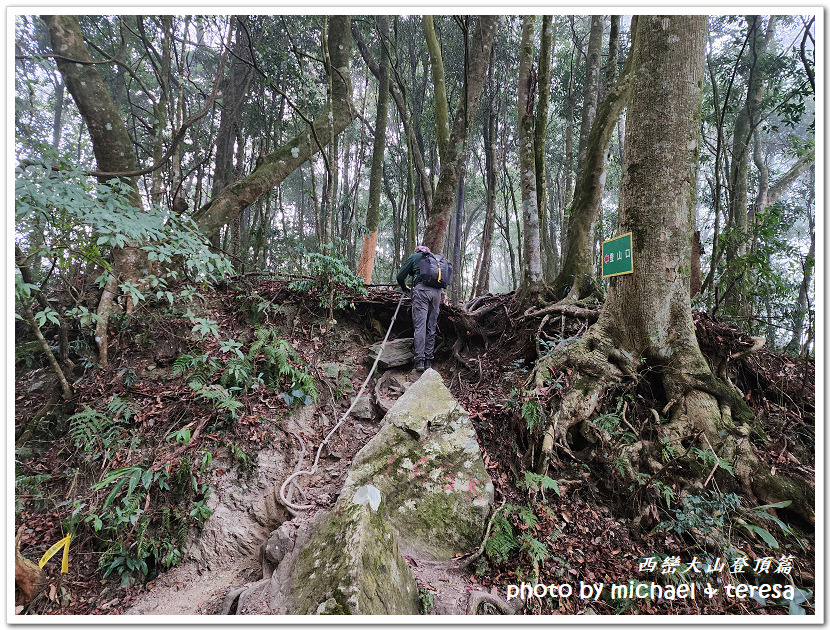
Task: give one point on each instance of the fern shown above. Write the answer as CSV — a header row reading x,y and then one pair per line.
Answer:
x,y
220,397
86,427
527,515
502,538
237,373
535,549
535,482
122,408
182,365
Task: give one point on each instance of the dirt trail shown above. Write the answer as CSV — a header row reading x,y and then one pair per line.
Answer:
x,y
246,509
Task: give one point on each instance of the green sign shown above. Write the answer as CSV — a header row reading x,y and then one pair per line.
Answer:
x,y
617,258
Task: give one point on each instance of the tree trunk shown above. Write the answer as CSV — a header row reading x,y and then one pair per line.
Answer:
x,y
646,322
576,277
590,91
802,305
442,115
406,119
539,137
481,284
745,123
435,232
367,255
532,268
276,166
458,224
111,145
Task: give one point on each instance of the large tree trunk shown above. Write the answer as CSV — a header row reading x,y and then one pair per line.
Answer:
x,y
276,166
111,145
575,280
590,91
367,255
646,322
442,115
539,136
435,233
532,268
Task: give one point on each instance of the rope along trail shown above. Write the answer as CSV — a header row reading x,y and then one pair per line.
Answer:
x,y
285,501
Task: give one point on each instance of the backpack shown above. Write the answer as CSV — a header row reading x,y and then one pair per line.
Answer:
x,y
436,271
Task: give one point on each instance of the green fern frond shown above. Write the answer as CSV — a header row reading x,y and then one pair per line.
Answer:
x,y
182,365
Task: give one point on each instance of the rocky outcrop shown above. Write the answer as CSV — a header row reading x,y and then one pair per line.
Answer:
x,y
419,485
425,462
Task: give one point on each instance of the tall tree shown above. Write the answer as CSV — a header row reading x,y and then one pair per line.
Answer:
x,y
283,161
532,268
646,322
481,279
367,255
113,149
539,136
590,90
442,115
576,277
435,233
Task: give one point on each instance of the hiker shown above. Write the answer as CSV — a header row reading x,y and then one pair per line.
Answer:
x,y
426,302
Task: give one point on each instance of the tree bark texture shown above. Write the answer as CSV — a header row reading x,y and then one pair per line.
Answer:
x,y
576,277
590,91
435,233
111,145
276,166
539,136
367,255
442,115
532,268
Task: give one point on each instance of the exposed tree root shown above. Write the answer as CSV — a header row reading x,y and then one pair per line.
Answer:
x,y
699,404
477,598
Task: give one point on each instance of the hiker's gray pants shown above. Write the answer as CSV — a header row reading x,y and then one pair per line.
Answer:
x,y
426,302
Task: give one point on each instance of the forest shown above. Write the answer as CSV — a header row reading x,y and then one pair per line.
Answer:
x,y
210,215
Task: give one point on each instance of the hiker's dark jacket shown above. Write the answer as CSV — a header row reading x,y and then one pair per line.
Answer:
x,y
411,267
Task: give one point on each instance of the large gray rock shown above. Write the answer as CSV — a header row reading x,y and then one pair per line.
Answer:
x,y
351,565
396,352
419,485
425,461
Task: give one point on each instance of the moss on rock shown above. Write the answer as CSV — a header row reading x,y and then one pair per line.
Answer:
x,y
351,565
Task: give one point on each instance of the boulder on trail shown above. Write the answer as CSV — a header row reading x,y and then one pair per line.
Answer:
x,y
396,352
418,487
426,463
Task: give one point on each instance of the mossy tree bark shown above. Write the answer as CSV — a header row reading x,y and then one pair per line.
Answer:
x,y
367,255
575,280
590,91
532,268
435,233
279,164
439,86
539,134
113,151
646,322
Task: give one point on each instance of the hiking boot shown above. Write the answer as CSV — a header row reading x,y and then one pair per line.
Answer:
x,y
419,365
427,364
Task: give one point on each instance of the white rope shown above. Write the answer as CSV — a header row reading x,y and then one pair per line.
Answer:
x,y
313,469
